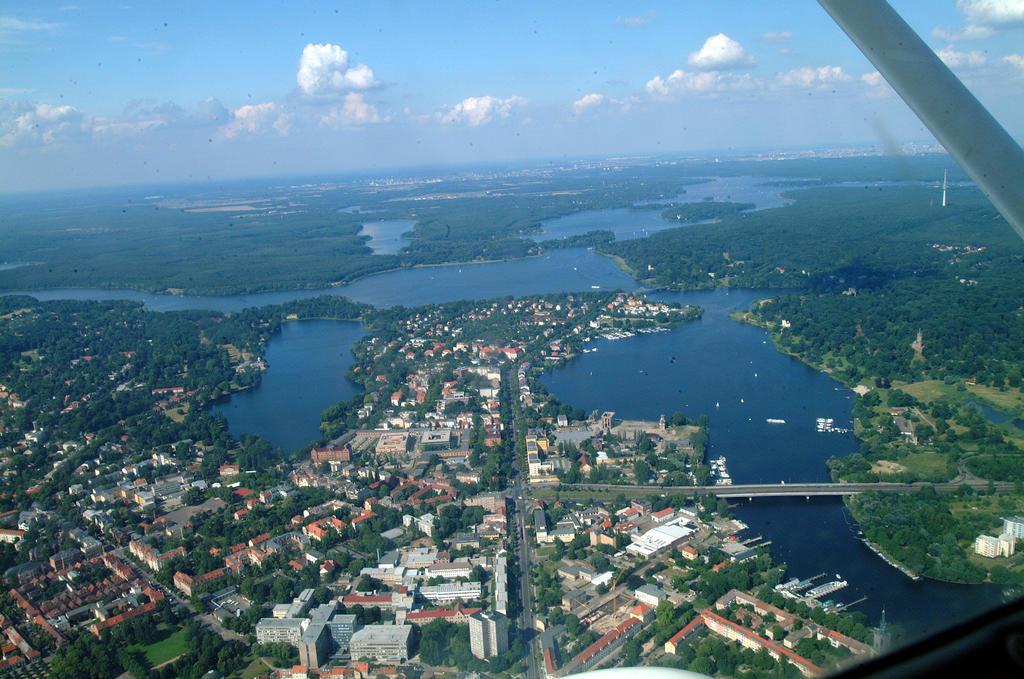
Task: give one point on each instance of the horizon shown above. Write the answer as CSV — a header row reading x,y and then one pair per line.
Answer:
x,y
460,171
114,95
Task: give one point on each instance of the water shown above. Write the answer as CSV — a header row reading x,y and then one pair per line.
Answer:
x,y
625,222
718,361
815,536
629,223
308,360
386,235
995,416
567,270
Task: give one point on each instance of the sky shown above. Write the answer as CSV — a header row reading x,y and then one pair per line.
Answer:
x,y
108,93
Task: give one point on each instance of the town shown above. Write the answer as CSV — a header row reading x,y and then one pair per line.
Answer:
x,y
427,533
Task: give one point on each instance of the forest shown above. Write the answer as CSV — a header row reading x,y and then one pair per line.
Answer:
x,y
246,237
252,236
920,531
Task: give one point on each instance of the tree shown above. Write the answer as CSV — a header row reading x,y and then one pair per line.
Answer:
x,y
572,624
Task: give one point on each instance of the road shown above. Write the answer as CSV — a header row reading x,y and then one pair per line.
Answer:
x,y
520,497
753,490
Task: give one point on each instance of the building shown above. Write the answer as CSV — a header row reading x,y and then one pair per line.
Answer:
x,y
501,585
280,630
392,444
658,539
382,643
451,591
317,643
331,454
600,649
991,547
488,634
449,570
748,639
341,628
684,635
651,595
1014,525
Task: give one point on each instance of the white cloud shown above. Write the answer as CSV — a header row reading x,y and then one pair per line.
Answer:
x,y
587,101
994,13
807,76
211,111
38,124
476,111
966,33
777,36
874,79
9,23
720,52
122,128
257,119
638,20
325,70
354,111
984,18
680,81
1015,60
955,59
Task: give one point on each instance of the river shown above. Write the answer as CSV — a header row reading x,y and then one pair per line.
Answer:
x,y
725,369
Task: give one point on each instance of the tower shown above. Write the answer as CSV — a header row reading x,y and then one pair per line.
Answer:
x,y
945,184
882,636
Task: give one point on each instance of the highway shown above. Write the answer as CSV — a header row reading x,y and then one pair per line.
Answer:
x,y
753,490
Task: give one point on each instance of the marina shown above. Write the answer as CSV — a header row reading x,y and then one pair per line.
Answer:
x,y
901,568
719,474
828,425
827,588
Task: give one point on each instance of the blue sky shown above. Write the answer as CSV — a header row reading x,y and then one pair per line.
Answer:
x,y
109,93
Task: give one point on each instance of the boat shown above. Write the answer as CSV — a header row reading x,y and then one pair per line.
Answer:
x,y
774,420
596,287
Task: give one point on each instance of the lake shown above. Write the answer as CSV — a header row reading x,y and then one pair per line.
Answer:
x,y
725,369
569,269
307,360
628,223
386,235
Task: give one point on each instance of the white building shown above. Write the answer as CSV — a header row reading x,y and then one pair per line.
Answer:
x,y
382,643
452,591
1014,525
991,547
657,539
280,630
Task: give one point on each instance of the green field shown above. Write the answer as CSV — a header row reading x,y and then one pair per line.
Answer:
x,y
927,464
166,649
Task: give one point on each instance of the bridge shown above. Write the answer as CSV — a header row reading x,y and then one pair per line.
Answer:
x,y
806,490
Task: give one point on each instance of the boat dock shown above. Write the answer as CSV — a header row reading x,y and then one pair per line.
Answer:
x,y
827,588
796,585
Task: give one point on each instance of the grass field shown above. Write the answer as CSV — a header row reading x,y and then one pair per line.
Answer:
x,y
254,669
1007,401
170,647
927,464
